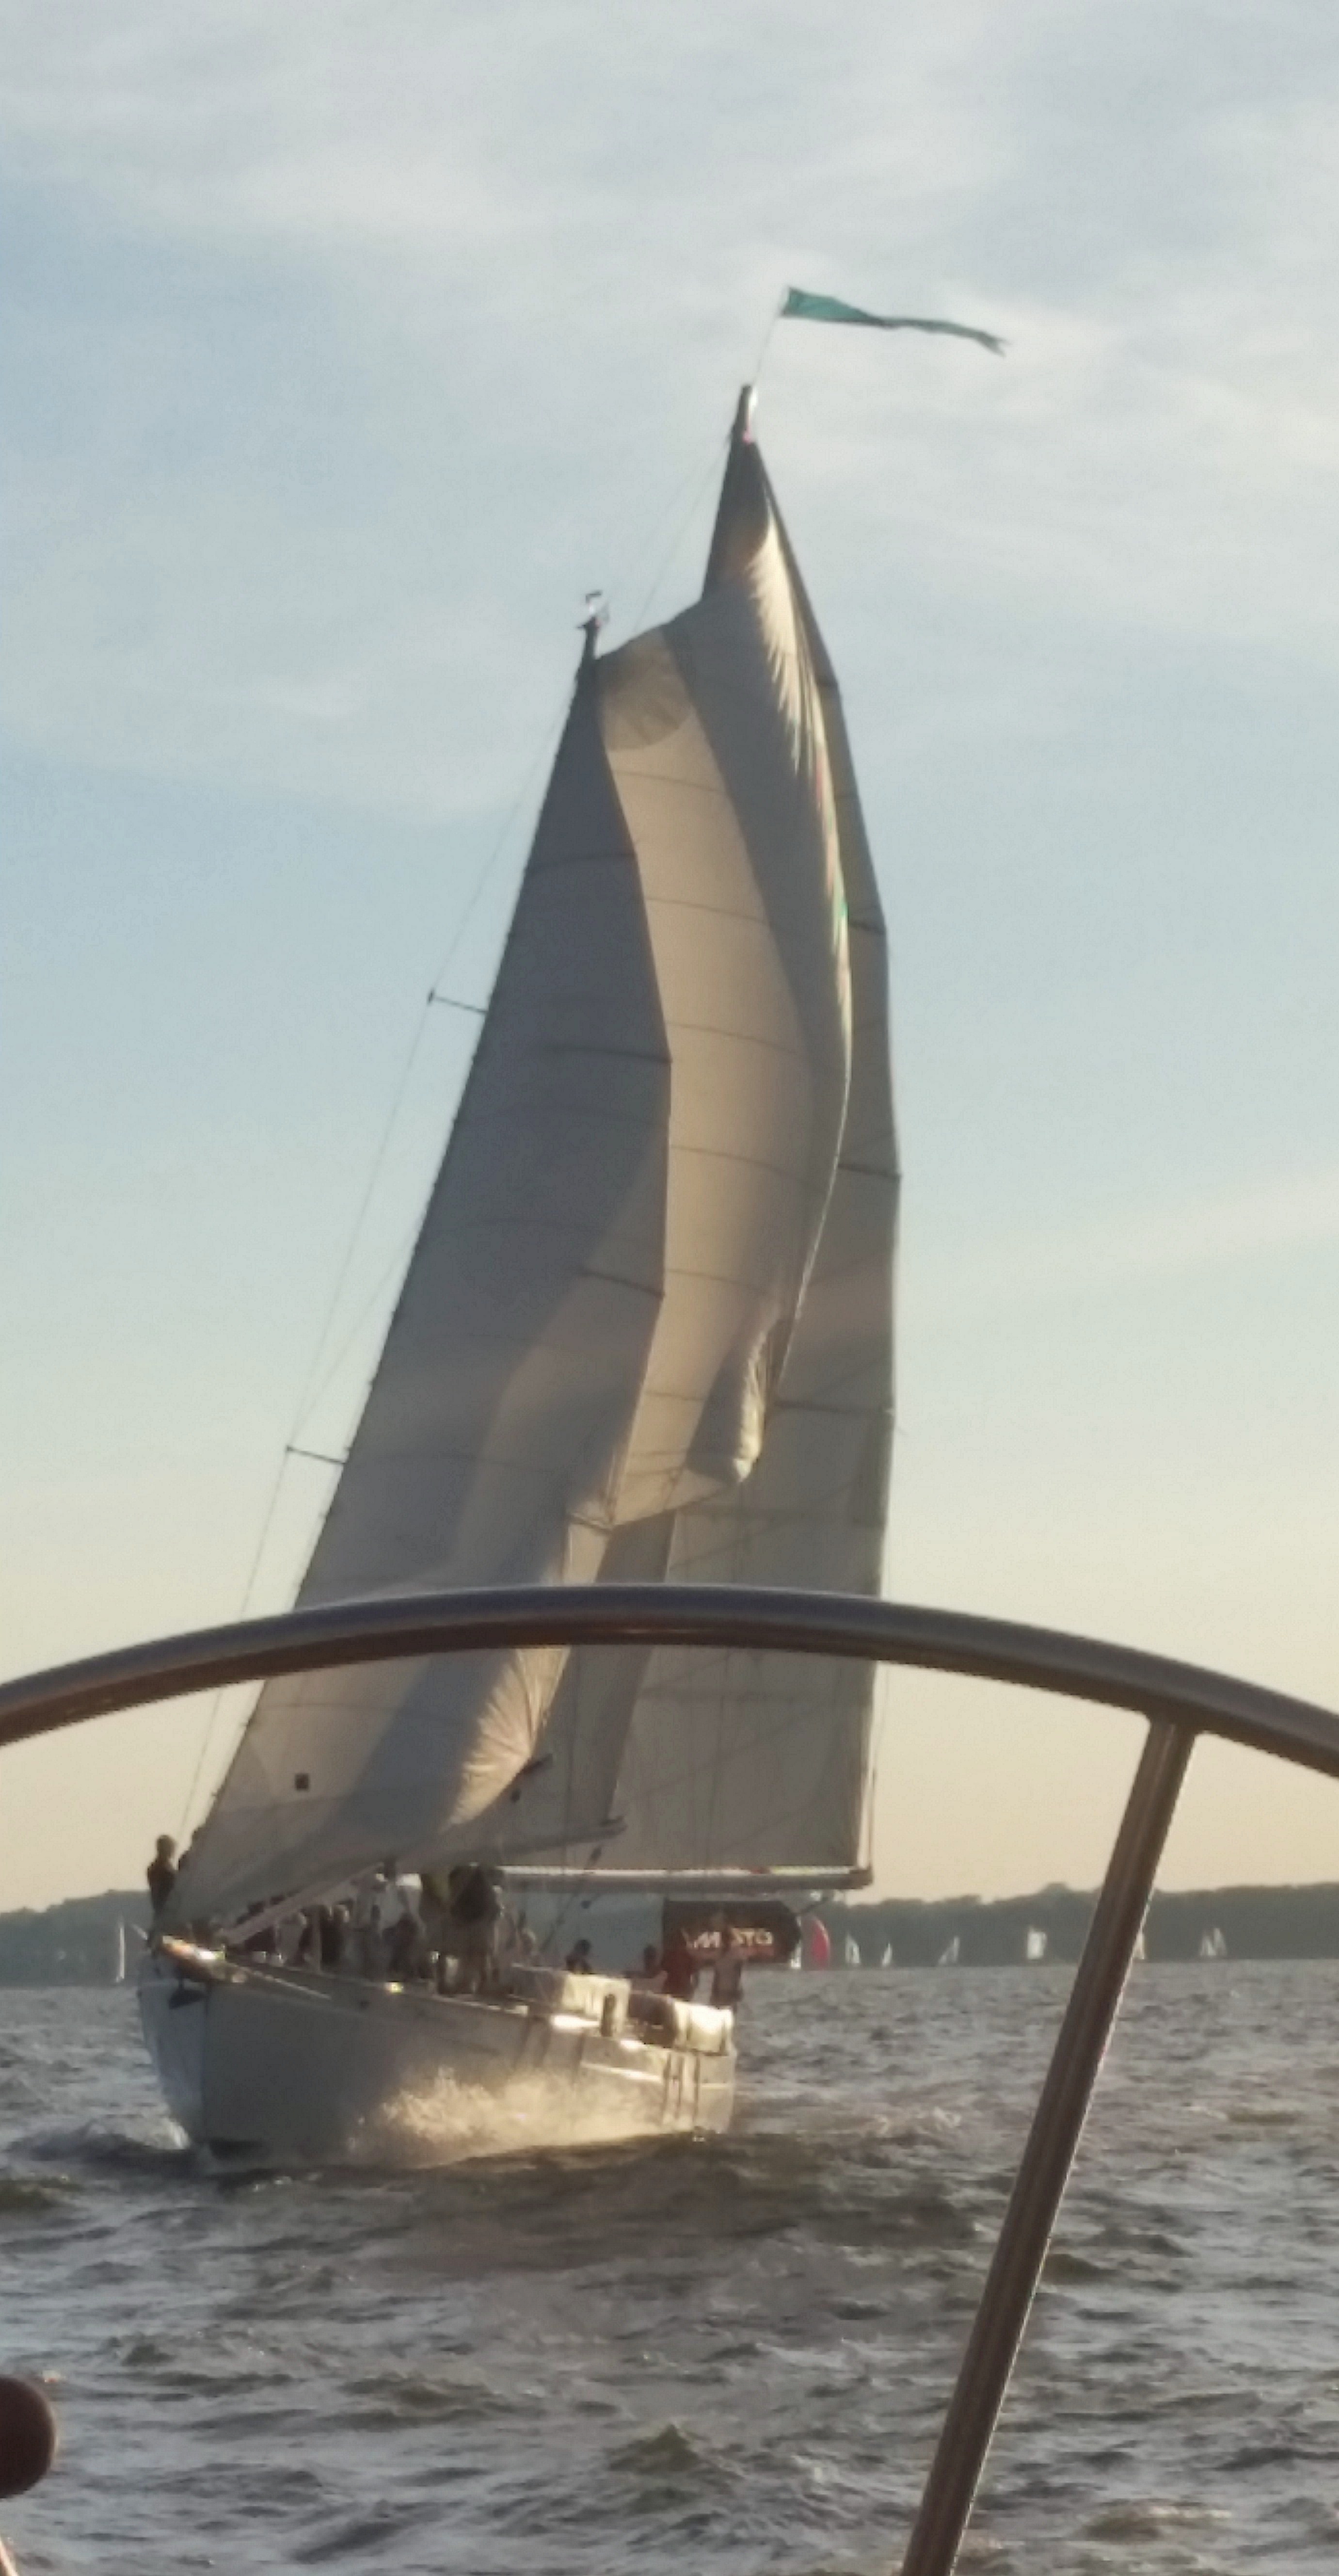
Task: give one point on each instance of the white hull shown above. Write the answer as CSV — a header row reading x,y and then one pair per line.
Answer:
x,y
280,2066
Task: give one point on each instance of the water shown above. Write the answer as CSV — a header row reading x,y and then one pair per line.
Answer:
x,y
725,2357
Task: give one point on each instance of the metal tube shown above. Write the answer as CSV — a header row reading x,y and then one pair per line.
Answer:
x,y
1057,2125
715,1615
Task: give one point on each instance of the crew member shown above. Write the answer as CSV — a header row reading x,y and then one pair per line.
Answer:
x,y
434,1913
727,1981
473,1908
369,1951
404,1946
162,1872
679,1974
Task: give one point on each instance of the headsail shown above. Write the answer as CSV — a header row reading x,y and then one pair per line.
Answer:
x,y
762,1761
637,1332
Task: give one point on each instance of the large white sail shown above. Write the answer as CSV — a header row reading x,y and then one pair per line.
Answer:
x,y
608,1326
704,1761
754,1761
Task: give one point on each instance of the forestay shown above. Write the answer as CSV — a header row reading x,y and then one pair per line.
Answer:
x,y
646,1328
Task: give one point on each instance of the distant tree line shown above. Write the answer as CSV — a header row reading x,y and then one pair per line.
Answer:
x,y
79,1943
1254,1922
74,1944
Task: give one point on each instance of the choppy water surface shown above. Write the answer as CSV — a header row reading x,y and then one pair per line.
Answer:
x,y
712,2357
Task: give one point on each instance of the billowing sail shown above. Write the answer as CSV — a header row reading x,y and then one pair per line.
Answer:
x,y
701,1761
752,1760
631,1303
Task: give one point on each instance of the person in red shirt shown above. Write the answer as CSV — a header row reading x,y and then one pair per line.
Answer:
x,y
679,1973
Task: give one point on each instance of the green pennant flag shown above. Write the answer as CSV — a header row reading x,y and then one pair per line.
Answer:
x,y
801,307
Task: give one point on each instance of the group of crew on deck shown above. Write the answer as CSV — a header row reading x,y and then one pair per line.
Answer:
x,y
677,1971
457,1936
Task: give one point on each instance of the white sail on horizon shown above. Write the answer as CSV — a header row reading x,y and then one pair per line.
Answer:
x,y
646,1330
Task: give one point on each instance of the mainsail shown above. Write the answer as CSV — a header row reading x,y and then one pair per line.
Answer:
x,y
646,1329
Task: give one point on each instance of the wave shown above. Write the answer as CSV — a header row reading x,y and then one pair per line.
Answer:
x,y
23,2196
152,2146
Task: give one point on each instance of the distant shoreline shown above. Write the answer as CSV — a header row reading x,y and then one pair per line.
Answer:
x,y
77,1943
991,1932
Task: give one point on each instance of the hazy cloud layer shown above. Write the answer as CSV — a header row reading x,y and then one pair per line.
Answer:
x,y
382,338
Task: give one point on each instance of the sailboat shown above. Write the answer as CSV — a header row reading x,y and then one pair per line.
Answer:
x,y
950,1957
1212,1944
886,1957
1034,1945
851,1957
645,1334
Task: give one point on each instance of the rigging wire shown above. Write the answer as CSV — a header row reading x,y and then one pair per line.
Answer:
x,y
760,361
290,1448
435,998
399,1261
700,482
314,1384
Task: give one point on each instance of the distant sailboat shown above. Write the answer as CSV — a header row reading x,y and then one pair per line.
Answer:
x,y
817,1944
887,1960
1034,1945
1212,1944
119,1954
950,1958
851,1953
645,1335
1140,1948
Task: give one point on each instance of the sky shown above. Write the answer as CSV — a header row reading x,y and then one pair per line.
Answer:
x,y
349,347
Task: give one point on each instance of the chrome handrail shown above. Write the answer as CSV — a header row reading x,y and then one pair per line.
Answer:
x,y
671,1614
1180,1700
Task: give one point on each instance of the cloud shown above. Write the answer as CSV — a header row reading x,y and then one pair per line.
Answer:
x,y
372,352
